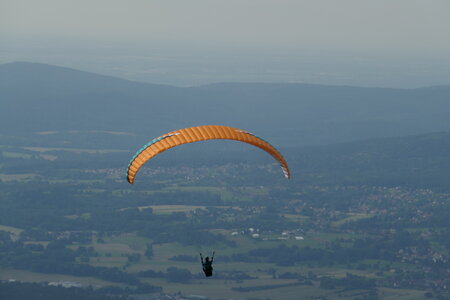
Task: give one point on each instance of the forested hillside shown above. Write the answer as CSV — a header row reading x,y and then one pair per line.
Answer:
x,y
78,108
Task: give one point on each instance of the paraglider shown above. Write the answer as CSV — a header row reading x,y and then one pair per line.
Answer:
x,y
196,134
207,264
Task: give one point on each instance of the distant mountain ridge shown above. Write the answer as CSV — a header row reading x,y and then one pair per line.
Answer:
x,y
37,97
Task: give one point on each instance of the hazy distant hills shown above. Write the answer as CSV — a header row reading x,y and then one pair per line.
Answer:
x,y
37,98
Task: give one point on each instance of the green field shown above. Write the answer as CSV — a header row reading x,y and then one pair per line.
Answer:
x,y
20,275
74,150
220,289
17,177
11,154
10,229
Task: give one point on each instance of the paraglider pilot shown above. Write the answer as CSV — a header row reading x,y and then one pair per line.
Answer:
x,y
207,264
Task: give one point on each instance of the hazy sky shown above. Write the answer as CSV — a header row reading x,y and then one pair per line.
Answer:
x,y
398,25
188,42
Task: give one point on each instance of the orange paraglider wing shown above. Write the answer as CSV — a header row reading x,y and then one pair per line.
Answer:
x,y
197,134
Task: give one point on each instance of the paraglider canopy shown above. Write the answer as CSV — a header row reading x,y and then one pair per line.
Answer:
x,y
197,134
